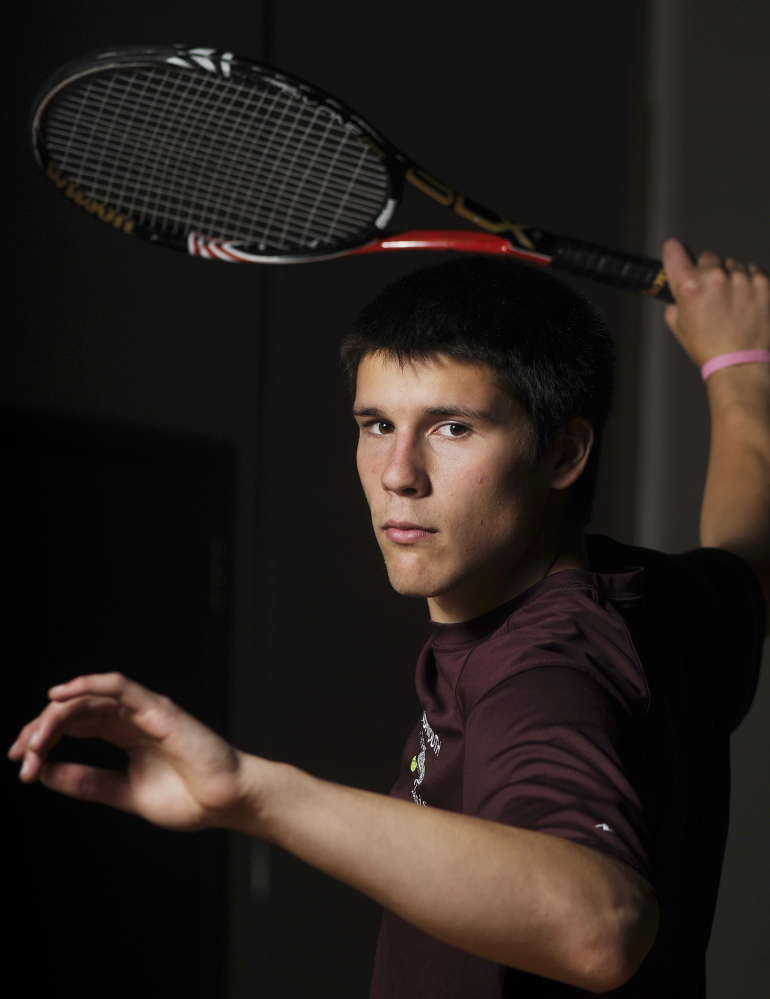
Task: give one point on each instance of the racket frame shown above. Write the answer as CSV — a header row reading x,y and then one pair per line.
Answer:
x,y
499,234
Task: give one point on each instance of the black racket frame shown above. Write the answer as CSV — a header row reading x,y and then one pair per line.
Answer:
x,y
625,270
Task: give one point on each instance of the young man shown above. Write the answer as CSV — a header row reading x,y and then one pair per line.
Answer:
x,y
577,696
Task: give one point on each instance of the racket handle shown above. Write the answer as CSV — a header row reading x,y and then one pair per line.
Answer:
x,y
624,270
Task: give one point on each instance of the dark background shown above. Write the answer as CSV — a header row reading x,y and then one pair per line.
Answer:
x,y
179,441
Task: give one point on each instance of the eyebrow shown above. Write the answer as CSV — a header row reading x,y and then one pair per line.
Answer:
x,y
463,412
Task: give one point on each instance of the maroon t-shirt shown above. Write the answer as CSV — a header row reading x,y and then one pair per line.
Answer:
x,y
595,706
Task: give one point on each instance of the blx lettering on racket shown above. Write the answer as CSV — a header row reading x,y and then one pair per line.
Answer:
x,y
226,159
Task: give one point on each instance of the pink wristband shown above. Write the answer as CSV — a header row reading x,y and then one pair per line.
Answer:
x,y
737,357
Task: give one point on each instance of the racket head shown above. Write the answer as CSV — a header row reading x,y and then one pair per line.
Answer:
x,y
215,155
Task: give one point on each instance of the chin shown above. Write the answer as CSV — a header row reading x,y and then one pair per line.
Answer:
x,y
412,585
408,589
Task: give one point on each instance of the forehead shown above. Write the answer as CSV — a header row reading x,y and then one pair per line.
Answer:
x,y
436,382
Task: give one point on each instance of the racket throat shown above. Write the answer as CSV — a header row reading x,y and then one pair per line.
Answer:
x,y
469,209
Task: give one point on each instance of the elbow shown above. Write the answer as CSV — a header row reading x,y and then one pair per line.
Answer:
x,y
611,955
608,973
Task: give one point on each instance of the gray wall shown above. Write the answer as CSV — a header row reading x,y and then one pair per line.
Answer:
x,y
709,166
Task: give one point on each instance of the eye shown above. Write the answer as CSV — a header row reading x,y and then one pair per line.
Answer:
x,y
380,427
452,430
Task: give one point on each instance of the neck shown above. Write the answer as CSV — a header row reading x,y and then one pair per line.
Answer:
x,y
480,595
573,553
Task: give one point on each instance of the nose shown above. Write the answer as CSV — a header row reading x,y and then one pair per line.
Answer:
x,y
405,473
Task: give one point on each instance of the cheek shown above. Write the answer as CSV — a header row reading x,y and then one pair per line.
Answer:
x,y
369,472
487,503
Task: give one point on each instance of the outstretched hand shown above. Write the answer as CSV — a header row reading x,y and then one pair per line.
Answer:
x,y
720,307
181,775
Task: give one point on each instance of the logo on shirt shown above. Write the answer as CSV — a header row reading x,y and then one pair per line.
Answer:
x,y
427,738
418,764
433,740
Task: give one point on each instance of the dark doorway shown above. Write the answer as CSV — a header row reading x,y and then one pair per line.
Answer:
x,y
115,547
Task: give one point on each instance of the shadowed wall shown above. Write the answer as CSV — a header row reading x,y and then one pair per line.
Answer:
x,y
540,111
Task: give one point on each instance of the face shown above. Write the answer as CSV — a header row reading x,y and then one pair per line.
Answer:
x,y
457,512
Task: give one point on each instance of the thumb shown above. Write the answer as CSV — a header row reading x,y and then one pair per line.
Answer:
x,y
108,787
671,315
677,263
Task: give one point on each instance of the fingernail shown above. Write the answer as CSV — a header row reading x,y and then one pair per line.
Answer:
x,y
25,767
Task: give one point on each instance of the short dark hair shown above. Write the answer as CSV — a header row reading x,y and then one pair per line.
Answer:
x,y
547,345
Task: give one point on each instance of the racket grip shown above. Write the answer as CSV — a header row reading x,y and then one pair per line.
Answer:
x,y
624,270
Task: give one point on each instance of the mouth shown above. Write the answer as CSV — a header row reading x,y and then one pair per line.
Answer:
x,y
404,533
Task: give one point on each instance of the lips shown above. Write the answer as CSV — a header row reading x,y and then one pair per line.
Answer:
x,y
404,533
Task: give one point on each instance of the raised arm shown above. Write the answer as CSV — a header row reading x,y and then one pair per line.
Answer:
x,y
723,308
521,898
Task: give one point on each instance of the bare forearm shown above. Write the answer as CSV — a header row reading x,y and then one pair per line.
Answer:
x,y
521,898
517,897
723,308
735,514
736,502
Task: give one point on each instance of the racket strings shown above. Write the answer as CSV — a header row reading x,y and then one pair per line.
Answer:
x,y
138,132
132,163
230,159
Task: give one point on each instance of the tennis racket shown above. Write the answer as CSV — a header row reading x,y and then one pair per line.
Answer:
x,y
226,159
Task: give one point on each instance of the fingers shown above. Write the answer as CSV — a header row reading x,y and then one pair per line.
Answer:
x,y
679,266
82,717
721,306
708,261
104,705
180,773
151,712
742,278
133,695
760,282
108,787
686,277
17,749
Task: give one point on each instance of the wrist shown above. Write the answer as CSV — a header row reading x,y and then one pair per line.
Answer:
x,y
263,786
739,375
735,358
740,390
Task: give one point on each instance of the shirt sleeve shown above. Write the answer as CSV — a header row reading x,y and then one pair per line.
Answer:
x,y
731,619
552,750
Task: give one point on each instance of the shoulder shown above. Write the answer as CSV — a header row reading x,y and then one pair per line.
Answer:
x,y
705,571
705,618
573,623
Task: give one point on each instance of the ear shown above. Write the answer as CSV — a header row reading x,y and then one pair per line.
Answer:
x,y
571,453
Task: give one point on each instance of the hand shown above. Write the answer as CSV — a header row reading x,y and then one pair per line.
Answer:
x,y
720,308
181,775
